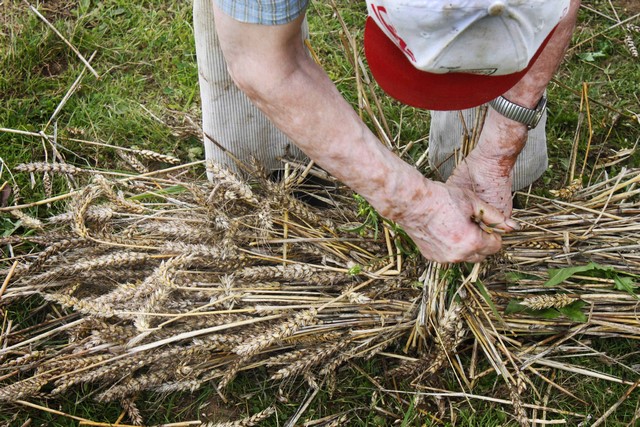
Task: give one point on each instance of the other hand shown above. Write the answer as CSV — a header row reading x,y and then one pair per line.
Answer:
x,y
451,224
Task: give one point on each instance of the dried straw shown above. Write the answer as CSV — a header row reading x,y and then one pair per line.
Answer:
x,y
199,302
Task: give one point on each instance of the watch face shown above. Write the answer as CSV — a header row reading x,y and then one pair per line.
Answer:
x,y
536,119
540,108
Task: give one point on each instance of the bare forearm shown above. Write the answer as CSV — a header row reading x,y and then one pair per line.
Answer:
x,y
271,66
438,218
531,87
338,140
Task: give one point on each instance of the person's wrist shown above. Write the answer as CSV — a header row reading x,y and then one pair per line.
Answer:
x,y
530,117
524,99
507,130
501,136
528,91
408,200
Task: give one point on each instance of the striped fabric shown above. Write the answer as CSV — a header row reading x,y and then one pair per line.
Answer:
x,y
229,119
448,130
264,12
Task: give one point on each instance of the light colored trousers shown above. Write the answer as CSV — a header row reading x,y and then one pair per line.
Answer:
x,y
228,116
231,121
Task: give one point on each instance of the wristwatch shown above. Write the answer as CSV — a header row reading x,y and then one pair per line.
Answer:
x,y
527,116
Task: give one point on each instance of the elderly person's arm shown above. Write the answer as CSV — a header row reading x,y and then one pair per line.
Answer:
x,y
271,66
487,170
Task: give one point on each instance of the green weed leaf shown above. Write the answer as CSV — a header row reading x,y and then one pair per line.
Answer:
x,y
514,277
622,281
8,227
517,277
574,311
355,270
591,56
487,298
173,190
559,275
547,313
514,306
625,283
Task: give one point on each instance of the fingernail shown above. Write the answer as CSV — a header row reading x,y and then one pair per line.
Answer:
x,y
511,223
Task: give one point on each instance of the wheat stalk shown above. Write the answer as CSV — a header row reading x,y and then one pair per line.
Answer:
x,y
246,422
49,168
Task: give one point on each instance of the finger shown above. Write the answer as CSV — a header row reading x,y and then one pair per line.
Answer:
x,y
492,242
493,228
511,223
491,219
476,258
489,229
484,244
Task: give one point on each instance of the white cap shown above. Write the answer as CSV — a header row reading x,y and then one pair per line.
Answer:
x,y
489,37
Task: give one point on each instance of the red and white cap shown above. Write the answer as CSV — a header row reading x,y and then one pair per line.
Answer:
x,y
451,55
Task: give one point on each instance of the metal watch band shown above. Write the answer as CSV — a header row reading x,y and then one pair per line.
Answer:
x,y
518,113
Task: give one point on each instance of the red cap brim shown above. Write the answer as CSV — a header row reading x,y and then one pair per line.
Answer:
x,y
397,76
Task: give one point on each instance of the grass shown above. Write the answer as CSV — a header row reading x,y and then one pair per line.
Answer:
x,y
144,56
146,59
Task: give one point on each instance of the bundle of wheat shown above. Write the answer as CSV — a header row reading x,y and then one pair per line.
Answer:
x,y
222,277
170,283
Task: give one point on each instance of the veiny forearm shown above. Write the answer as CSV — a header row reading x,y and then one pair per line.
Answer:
x,y
338,140
271,67
531,87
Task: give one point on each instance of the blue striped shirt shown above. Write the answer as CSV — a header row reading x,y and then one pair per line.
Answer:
x,y
264,12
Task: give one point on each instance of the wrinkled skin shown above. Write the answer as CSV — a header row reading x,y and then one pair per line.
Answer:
x,y
448,231
487,169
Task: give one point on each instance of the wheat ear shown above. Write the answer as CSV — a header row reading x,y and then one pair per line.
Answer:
x,y
541,302
246,422
152,155
81,205
303,364
284,330
132,161
117,199
49,167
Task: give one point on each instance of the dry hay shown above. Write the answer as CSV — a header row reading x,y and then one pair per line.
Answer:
x,y
168,283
